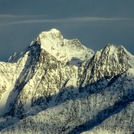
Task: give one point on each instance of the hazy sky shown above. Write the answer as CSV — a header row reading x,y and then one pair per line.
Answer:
x,y
94,22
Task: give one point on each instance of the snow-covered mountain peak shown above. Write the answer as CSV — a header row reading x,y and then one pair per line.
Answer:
x,y
54,30
64,50
53,33
41,94
113,49
118,54
109,62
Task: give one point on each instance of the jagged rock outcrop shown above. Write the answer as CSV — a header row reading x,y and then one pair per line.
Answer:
x,y
59,86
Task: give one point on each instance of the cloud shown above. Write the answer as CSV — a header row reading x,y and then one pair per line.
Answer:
x,y
31,19
19,16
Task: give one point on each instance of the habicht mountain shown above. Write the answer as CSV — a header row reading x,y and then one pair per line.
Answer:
x,y
59,86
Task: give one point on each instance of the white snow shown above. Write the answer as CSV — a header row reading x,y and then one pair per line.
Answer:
x,y
74,111
63,49
3,101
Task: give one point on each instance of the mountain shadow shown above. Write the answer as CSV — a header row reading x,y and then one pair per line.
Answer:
x,y
105,114
72,93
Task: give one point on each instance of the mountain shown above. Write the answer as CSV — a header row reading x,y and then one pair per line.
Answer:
x,y
60,86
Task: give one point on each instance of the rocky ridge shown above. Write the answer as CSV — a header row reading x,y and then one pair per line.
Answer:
x,y
58,85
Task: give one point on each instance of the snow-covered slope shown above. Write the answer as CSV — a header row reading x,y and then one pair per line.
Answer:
x,y
6,83
59,86
62,49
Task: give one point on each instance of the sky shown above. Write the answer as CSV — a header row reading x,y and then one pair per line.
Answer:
x,y
95,23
